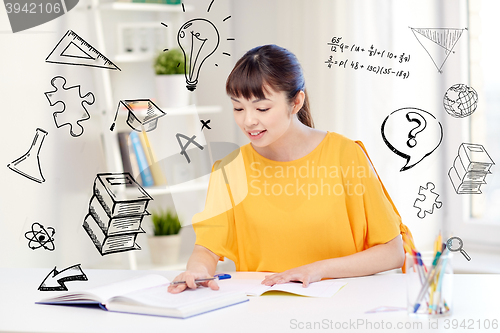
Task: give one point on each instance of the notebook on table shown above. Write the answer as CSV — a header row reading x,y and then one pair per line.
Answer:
x,y
148,295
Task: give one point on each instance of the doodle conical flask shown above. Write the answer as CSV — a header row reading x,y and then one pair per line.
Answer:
x,y
28,165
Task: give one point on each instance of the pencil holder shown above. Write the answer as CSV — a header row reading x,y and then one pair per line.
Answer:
x,y
429,285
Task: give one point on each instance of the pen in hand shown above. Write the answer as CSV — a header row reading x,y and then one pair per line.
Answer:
x,y
216,277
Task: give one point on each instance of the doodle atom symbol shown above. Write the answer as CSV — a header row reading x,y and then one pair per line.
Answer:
x,y
39,237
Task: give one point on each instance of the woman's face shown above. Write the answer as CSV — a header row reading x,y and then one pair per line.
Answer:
x,y
263,120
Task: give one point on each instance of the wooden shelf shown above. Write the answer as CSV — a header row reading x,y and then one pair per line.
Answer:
x,y
145,7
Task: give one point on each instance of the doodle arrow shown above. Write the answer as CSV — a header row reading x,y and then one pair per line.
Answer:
x,y
54,281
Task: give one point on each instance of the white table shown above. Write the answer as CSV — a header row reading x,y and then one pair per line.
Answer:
x,y
476,298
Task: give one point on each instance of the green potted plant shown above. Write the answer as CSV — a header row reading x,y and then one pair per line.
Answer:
x,y
171,88
165,243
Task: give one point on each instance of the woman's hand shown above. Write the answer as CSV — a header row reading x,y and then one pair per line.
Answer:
x,y
305,274
189,277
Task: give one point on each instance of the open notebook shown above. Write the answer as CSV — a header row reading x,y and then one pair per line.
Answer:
x,y
148,295
324,288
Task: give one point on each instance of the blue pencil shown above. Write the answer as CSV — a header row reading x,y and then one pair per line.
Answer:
x,y
432,275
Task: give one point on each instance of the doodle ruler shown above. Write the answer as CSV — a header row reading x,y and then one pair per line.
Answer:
x,y
74,50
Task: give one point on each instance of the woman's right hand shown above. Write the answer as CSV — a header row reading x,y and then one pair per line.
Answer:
x,y
189,277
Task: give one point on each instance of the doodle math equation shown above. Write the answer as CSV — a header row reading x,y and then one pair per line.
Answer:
x,y
373,53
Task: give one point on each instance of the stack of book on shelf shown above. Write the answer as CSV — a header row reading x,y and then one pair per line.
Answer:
x,y
138,159
470,168
114,221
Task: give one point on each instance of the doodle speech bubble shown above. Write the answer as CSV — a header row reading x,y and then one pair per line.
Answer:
x,y
412,134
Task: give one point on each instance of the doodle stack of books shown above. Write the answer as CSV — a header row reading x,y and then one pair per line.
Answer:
x,y
470,168
113,220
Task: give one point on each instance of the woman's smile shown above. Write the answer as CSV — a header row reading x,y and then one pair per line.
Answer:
x,y
255,135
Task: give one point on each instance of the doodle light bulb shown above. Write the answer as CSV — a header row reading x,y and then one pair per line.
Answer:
x,y
198,39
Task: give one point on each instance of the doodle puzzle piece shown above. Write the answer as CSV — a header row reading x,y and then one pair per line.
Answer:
x,y
429,201
73,111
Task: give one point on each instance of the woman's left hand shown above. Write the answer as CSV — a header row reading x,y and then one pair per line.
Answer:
x,y
305,274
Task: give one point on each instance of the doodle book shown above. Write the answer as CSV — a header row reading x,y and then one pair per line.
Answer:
x,y
114,220
148,295
107,188
107,243
117,224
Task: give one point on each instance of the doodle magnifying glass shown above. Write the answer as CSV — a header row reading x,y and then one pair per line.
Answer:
x,y
459,244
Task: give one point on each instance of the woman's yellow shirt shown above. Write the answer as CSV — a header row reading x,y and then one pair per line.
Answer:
x,y
272,216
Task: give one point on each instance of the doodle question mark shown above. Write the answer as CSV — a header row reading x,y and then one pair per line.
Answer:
x,y
422,123
398,130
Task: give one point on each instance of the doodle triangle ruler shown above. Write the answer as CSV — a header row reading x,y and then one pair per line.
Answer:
x,y
438,43
74,50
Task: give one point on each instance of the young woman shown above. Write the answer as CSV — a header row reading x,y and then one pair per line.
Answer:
x,y
302,203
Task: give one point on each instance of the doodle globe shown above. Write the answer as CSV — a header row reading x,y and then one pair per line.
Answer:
x,y
460,101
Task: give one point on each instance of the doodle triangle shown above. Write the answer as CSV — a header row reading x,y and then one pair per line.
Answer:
x,y
74,50
438,43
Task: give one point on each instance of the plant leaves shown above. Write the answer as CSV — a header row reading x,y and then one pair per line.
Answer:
x,y
165,223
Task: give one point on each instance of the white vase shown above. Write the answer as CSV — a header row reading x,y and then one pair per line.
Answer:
x,y
164,249
171,91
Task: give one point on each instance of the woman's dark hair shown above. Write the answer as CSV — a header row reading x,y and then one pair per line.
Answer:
x,y
273,66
